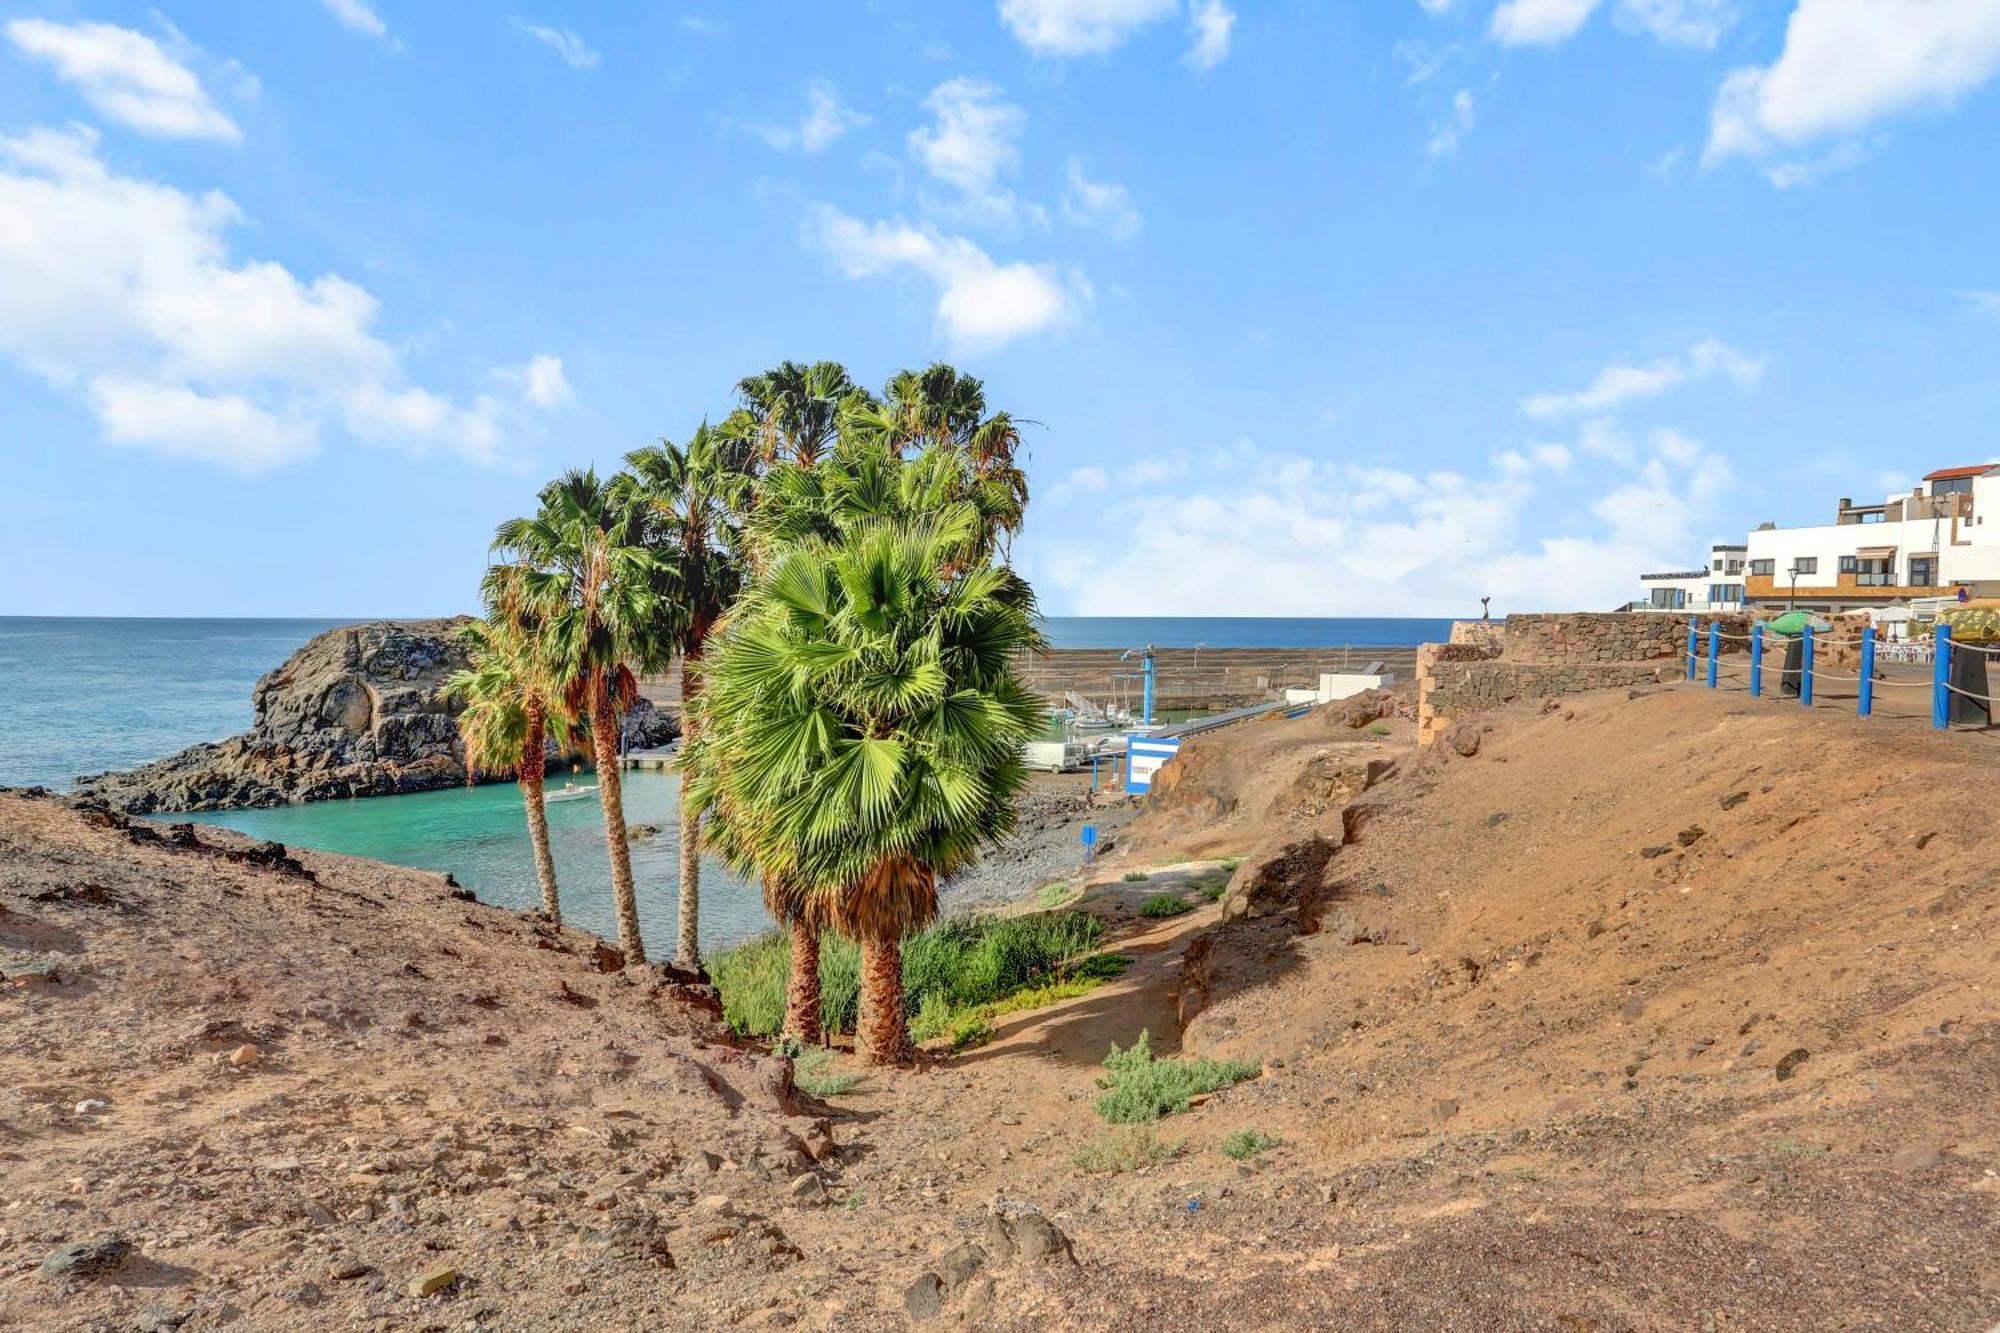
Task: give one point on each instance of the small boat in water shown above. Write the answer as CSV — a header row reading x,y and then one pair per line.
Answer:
x,y
571,792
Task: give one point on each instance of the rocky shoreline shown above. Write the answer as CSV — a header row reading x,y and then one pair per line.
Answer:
x,y
356,711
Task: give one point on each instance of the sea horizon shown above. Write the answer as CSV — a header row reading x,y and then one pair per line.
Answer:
x,y
86,694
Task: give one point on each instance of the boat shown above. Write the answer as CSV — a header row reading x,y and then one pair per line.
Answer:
x,y
571,793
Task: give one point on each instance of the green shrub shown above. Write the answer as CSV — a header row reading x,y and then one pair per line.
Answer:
x,y
1165,904
1378,728
1229,864
1135,877
1126,1149
1054,895
1139,1088
1212,890
1247,1143
810,1070
952,966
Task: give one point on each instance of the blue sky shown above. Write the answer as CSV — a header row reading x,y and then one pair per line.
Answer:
x,y
1340,307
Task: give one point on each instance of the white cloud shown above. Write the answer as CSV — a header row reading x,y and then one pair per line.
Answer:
x,y
1447,132
702,27
1847,65
1266,533
1539,22
1698,23
1103,205
825,120
1618,384
543,382
124,291
1987,303
970,145
356,14
1210,23
1079,27
1435,7
980,302
126,76
575,52
1817,167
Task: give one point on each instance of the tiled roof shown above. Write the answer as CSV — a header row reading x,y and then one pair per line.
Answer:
x,y
1953,473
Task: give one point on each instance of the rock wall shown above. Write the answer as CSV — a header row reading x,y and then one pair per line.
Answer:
x,y
1542,656
1480,633
355,712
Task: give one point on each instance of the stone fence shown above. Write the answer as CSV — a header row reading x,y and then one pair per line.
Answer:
x,y
1486,666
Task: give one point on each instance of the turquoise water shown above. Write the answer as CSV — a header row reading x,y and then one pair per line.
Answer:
x,y
84,695
480,835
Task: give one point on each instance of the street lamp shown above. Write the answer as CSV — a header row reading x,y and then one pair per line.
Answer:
x,y
1793,603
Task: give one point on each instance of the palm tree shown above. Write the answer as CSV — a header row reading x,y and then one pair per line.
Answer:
x,y
687,500
942,412
594,592
513,706
870,721
794,411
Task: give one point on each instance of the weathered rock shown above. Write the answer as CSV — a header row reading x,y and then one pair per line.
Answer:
x,y
87,1258
1464,738
1291,876
924,1298
431,1283
1789,1063
807,1188
1016,1228
1920,1157
957,1267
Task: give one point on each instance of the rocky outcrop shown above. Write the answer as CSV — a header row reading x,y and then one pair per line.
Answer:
x,y
355,712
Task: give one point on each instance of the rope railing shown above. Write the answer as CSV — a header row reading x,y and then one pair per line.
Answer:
x,y
1800,679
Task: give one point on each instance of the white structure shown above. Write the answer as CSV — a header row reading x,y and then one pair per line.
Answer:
x,y
1924,544
1337,685
1719,587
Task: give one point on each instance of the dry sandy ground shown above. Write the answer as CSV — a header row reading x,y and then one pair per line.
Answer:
x,y
1523,1032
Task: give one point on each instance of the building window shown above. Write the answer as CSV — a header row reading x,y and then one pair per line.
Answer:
x,y
1850,564
1872,516
1952,486
1725,594
1923,571
1762,569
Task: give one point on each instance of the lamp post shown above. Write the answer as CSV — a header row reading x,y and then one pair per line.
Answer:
x,y
1792,603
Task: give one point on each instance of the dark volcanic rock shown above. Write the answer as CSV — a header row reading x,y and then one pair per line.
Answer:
x,y
355,712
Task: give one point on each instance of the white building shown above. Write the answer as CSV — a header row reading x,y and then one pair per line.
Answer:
x,y
1927,543
1718,587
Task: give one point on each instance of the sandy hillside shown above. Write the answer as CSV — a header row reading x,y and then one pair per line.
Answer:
x,y
1661,1012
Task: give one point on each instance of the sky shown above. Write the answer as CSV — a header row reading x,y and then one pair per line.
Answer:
x,y
1336,307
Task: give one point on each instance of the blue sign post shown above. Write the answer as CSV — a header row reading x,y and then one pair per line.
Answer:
x,y
1089,843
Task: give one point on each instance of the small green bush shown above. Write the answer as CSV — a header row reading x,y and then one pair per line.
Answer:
x,y
1165,904
1135,877
1139,1088
1125,1149
1247,1143
811,1073
1213,889
1378,728
952,966
1229,864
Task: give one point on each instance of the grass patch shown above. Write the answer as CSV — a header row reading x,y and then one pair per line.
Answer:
x,y
949,969
1139,1088
974,1026
1165,904
1125,1149
1213,888
1247,1143
812,1070
1378,728
1135,877
1054,895
1229,864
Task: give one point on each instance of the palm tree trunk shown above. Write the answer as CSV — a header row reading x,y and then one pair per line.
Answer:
x,y
802,991
687,950
534,762
885,1030
611,795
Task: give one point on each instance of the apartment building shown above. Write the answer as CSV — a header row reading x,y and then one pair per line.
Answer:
x,y
1716,587
1927,543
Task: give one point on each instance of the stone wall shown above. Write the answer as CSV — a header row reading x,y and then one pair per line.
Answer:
x,y
1611,637
1480,633
1542,656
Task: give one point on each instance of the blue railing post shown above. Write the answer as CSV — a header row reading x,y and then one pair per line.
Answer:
x,y
1756,660
1867,672
1806,670
1692,631
1940,673
1714,643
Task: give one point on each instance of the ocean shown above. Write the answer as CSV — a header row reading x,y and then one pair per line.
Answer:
x,y
80,696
